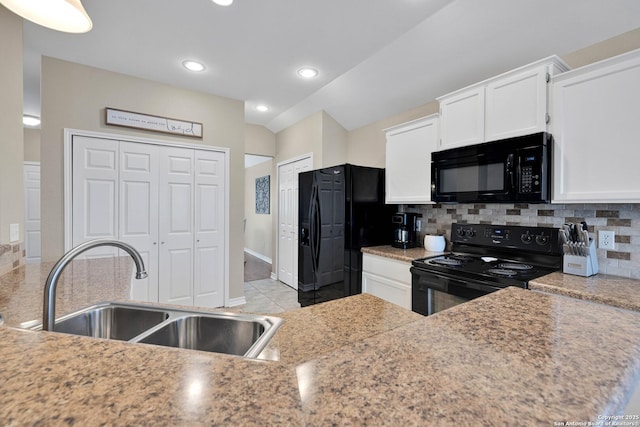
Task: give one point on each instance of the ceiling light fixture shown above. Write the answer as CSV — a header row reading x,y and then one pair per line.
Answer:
x,y
262,108
223,2
192,65
30,120
62,15
307,72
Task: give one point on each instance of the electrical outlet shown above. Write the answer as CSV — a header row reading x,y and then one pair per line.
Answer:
x,y
606,239
14,232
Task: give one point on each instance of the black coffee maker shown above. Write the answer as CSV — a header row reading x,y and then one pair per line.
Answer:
x,y
405,232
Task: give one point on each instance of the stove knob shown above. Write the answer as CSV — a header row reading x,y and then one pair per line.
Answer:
x,y
542,239
460,232
470,232
526,238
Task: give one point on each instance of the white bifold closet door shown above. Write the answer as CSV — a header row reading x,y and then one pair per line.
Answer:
x,y
138,211
167,202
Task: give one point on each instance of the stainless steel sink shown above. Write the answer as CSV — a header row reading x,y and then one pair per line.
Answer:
x,y
220,334
231,333
114,322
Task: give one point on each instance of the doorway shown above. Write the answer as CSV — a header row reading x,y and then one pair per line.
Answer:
x,y
288,172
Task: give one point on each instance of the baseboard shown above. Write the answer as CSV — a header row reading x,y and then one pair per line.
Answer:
x,y
274,276
257,255
233,302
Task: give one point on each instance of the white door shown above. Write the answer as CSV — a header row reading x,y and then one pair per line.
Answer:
x,y
299,166
288,219
176,226
285,225
208,285
95,192
138,213
32,211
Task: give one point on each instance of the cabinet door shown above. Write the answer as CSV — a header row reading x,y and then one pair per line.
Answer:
x,y
138,211
387,278
596,128
176,257
462,118
516,105
95,193
408,161
209,272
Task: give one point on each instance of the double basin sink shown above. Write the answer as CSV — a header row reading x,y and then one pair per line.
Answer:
x,y
231,333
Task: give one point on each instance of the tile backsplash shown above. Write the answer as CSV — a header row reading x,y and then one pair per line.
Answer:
x,y
623,219
11,256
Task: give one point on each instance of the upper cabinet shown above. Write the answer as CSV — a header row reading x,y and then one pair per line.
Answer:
x,y
511,104
462,118
408,160
596,130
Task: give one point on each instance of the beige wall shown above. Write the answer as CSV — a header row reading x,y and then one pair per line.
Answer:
x,y
625,42
31,145
11,136
74,96
366,145
259,228
334,142
259,140
301,138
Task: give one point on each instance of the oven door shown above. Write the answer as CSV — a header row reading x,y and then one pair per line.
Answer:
x,y
432,292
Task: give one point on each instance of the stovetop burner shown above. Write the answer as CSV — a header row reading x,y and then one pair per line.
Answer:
x,y
447,261
515,266
502,272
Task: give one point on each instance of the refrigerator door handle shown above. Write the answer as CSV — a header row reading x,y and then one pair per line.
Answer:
x,y
314,229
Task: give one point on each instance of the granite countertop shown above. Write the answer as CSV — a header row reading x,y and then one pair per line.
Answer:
x,y
406,255
611,290
511,357
605,289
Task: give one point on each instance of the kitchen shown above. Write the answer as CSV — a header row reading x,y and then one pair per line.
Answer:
x,y
231,111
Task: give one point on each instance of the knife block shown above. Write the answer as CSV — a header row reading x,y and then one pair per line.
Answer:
x,y
582,265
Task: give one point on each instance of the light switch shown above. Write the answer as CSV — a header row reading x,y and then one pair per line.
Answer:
x,y
14,232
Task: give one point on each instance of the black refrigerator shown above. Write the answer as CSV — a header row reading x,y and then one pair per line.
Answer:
x,y
341,209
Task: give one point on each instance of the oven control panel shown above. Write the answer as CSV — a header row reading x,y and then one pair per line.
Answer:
x,y
536,239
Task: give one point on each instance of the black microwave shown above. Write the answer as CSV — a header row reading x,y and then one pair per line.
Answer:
x,y
516,169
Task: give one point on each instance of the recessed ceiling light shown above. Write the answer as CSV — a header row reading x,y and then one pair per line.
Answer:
x,y
307,72
193,65
262,108
30,120
223,2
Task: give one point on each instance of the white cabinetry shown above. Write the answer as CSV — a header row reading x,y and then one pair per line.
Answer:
x,y
408,160
596,132
167,202
511,104
462,118
387,278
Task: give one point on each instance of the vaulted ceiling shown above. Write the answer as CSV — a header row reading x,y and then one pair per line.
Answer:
x,y
375,58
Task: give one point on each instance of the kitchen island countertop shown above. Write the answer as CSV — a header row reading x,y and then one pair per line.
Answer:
x,y
511,357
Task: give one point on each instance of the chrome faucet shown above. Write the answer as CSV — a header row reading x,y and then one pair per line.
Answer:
x,y
49,310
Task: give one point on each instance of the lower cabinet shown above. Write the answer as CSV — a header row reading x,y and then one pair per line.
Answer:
x,y
388,279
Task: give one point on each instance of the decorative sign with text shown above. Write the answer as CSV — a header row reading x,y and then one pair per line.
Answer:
x,y
130,119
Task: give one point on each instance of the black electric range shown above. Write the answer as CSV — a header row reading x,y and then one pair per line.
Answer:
x,y
483,259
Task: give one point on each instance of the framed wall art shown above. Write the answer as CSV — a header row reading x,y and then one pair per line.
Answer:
x,y
262,195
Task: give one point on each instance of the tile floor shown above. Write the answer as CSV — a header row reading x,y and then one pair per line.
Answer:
x,y
268,296
263,294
